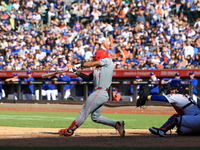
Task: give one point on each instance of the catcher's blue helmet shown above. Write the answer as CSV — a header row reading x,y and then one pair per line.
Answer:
x,y
176,84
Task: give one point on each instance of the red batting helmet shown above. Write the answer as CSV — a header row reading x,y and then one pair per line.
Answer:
x,y
100,54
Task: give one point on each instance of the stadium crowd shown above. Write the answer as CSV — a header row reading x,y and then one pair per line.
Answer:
x,y
138,34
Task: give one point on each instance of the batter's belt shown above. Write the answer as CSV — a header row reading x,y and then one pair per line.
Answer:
x,y
100,88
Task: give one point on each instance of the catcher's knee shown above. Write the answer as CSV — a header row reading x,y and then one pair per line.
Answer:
x,y
174,116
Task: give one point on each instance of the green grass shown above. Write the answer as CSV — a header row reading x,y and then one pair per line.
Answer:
x,y
64,119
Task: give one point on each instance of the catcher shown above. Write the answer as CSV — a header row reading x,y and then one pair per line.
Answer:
x,y
187,119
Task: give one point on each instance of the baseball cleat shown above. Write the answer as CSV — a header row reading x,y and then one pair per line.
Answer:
x,y
120,128
157,131
65,132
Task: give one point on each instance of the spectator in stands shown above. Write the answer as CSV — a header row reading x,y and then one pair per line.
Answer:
x,y
67,17
42,9
159,10
116,96
188,49
121,15
95,13
40,55
36,18
52,11
51,40
146,33
148,16
178,6
3,6
141,17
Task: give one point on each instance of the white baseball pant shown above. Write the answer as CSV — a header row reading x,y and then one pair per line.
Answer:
x,y
44,93
67,94
52,94
3,93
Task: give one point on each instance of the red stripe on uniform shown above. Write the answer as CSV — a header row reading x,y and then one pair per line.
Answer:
x,y
89,106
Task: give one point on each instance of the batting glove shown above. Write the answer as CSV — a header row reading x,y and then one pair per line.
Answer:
x,y
77,66
73,70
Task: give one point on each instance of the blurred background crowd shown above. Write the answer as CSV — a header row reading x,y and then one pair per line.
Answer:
x,y
138,34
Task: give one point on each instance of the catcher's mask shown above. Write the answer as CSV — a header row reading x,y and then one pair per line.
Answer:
x,y
176,85
100,54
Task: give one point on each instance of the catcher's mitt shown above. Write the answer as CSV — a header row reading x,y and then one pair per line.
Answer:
x,y
143,96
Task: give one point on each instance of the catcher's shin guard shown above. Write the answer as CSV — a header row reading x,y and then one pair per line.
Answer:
x,y
171,123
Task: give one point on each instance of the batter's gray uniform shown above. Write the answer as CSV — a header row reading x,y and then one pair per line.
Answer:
x,y
102,78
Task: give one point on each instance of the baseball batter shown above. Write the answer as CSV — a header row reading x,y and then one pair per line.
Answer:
x,y
187,119
102,78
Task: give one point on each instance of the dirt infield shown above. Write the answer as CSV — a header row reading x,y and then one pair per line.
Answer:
x,y
48,137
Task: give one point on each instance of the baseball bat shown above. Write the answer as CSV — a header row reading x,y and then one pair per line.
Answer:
x,y
51,74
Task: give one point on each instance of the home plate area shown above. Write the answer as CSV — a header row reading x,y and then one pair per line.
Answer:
x,y
49,137
20,132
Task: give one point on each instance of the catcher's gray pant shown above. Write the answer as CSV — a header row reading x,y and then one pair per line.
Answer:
x,y
189,123
93,106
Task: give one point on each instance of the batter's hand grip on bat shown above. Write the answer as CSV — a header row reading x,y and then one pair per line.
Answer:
x,y
77,66
73,70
